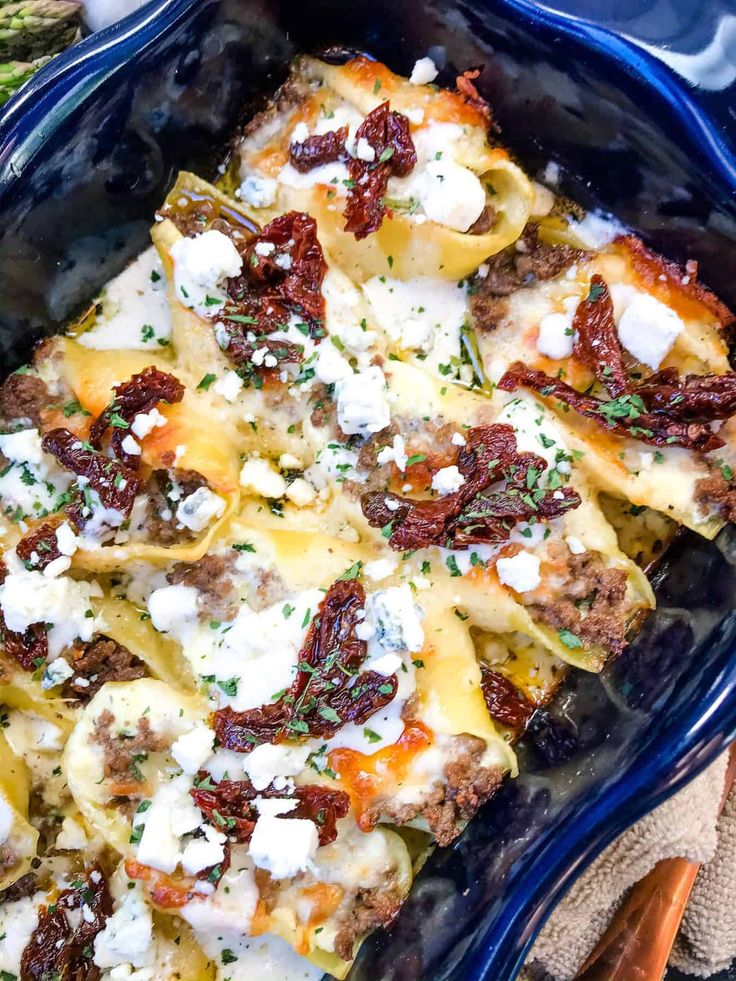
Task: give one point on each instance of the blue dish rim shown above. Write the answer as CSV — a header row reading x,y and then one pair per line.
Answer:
x,y
691,741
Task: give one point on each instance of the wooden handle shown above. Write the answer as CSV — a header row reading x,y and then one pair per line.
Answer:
x,y
637,944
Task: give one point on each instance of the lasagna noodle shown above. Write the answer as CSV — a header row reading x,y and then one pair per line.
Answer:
x,y
407,247
18,849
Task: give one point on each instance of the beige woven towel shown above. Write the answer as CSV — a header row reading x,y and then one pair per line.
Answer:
x,y
687,825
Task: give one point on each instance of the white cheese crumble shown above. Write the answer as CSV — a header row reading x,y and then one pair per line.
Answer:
x,y
201,853
201,263
259,476
330,366
229,386
596,230
447,480
172,608
451,194
198,509
193,748
556,338
364,151
145,422
72,836
362,406
130,446
423,72
381,568
648,330
520,571
394,453
28,597
301,493
575,545
23,447
127,935
283,846
267,763
260,192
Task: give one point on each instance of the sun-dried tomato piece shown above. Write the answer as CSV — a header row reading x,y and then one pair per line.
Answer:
x,y
295,267
58,950
657,273
506,704
30,648
469,93
229,806
140,394
324,806
388,134
39,549
116,484
695,398
328,691
625,416
597,344
468,516
282,277
319,149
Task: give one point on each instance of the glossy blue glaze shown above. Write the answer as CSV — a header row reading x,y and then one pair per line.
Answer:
x,y
87,151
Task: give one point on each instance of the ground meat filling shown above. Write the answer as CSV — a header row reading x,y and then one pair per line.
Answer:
x,y
161,523
24,397
371,908
20,889
521,264
124,751
591,603
449,804
211,576
100,661
717,495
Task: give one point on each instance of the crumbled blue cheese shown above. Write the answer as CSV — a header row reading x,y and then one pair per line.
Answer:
x,y
556,335
201,265
260,192
362,406
173,609
267,763
199,509
56,673
396,619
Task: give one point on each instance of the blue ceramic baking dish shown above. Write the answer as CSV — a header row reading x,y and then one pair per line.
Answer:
x,y
87,152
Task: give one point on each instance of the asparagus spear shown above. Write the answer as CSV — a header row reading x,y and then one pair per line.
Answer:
x,y
37,28
14,73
